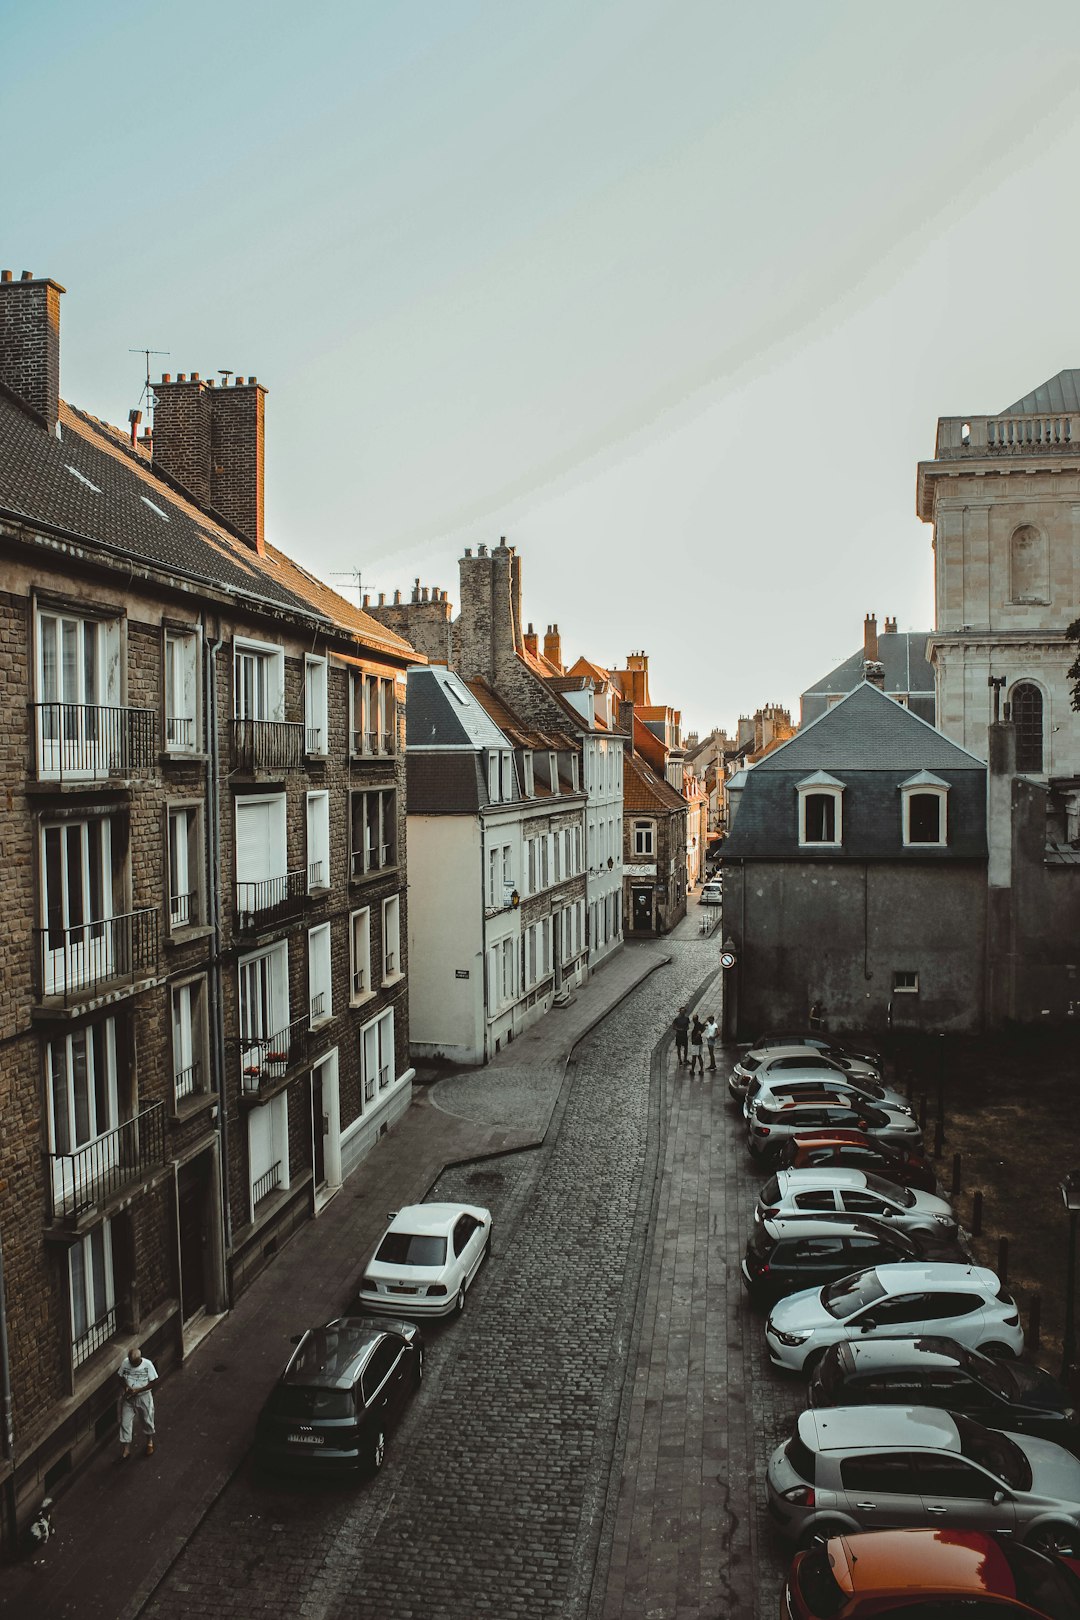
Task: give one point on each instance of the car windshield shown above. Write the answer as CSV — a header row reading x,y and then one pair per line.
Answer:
x,y
849,1294
994,1451
865,1087
304,1402
1048,1588
770,1192
411,1249
818,1586
750,1064
992,1374
903,1197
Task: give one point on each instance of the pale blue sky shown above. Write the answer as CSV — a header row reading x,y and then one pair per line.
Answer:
x,y
671,294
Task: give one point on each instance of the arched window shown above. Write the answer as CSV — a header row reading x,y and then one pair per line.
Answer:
x,y
1028,562
924,802
1027,712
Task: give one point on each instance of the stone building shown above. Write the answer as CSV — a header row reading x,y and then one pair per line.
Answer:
x,y
203,966
905,672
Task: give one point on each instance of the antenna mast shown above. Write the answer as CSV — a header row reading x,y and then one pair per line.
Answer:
x,y
135,416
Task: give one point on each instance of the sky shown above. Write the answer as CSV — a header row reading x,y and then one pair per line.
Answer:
x,y
671,294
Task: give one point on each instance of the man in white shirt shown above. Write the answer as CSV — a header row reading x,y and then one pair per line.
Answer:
x,y
712,1030
138,1376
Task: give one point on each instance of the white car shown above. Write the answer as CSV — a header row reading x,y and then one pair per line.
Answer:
x,y
827,1191
426,1261
787,1080
966,1303
753,1061
712,893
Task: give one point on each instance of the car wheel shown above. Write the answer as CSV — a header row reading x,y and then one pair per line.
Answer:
x,y
821,1532
1001,1352
813,1362
419,1366
1055,1538
459,1303
378,1451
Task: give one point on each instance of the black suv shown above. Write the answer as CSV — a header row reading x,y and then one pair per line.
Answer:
x,y
795,1252
342,1392
932,1371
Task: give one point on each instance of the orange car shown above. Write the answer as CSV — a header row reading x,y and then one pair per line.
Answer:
x,y
815,1149
929,1575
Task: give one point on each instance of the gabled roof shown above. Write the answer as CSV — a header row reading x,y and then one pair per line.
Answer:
x,y
1060,393
642,791
91,485
521,735
868,731
441,712
584,666
902,653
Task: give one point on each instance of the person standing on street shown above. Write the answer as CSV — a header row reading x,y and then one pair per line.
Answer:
x,y
712,1029
682,1031
138,1376
696,1034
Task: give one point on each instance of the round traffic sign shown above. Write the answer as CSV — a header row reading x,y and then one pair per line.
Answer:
x,y
727,959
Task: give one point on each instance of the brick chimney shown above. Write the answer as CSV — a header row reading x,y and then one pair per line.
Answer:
x,y
626,717
874,672
30,343
532,644
870,647
890,627
553,647
212,440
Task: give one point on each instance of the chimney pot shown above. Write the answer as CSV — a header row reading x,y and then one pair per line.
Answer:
x,y
424,594
166,376
251,380
5,275
194,376
210,382
468,551
481,551
27,275
181,376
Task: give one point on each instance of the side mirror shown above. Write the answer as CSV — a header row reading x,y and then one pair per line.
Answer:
x,y
867,1324
998,1498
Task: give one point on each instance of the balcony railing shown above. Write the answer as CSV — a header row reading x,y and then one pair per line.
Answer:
x,y
315,877
318,1005
184,909
268,745
86,742
359,981
74,963
389,961
86,1179
372,744
95,1336
1055,433
372,859
179,731
186,1082
266,1059
266,1184
313,740
272,900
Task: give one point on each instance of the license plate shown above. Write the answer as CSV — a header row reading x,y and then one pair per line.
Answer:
x,y
305,1439
399,1288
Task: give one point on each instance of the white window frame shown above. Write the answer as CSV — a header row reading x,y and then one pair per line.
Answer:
x,y
181,682
320,976
78,946
77,669
382,855
374,705
821,785
507,972
318,841
360,987
258,680
527,773
263,1007
378,1061
268,1140
391,939
644,837
92,1284
185,866
191,1077
931,787
316,714
73,1083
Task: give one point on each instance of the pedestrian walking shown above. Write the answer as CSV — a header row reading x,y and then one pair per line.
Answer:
x,y
697,1032
682,1033
712,1030
138,1376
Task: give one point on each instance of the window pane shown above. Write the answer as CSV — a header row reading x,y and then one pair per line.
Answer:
x,y
924,818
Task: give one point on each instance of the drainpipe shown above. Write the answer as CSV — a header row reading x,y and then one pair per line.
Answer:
x,y
8,1436
483,936
217,1031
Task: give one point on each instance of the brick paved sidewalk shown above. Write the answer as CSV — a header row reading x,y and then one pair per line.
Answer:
x,y
120,1526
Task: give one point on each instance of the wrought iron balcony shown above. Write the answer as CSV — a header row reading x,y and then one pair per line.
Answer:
x,y
186,1083
76,963
266,1184
179,732
313,740
265,1060
372,858
87,742
268,745
87,1179
271,901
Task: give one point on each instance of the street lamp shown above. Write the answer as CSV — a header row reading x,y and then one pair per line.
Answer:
x,y
1070,1194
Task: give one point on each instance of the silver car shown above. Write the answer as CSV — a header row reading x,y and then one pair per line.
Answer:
x,y
827,1191
788,1081
802,1054
889,1467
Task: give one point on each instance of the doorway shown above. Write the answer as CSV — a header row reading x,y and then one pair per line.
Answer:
x,y
642,909
325,1129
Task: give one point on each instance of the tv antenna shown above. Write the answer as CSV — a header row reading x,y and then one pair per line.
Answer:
x,y
134,417
353,575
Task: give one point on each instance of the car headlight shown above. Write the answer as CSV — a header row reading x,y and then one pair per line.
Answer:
x,y
791,1339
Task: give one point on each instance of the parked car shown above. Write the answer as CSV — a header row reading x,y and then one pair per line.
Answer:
x,y
426,1260
712,892
768,1128
967,1303
840,1191
818,1038
749,1064
786,1256
908,1167
785,1077
863,1467
923,1574
935,1371
344,1389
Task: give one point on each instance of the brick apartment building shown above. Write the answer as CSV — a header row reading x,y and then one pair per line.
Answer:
x,y
203,962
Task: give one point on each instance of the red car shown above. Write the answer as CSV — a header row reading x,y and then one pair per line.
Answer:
x,y
929,1575
854,1150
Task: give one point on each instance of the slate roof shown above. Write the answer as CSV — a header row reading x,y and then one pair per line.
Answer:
x,y
1060,393
434,718
92,486
865,731
902,653
444,784
515,729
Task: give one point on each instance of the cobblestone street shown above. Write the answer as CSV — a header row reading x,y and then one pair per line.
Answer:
x,y
531,1476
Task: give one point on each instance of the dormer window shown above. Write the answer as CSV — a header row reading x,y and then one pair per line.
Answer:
x,y
527,772
821,810
924,810
574,772
553,772
493,777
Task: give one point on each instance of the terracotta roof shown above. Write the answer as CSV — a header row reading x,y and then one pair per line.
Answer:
x,y
507,721
644,791
584,666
